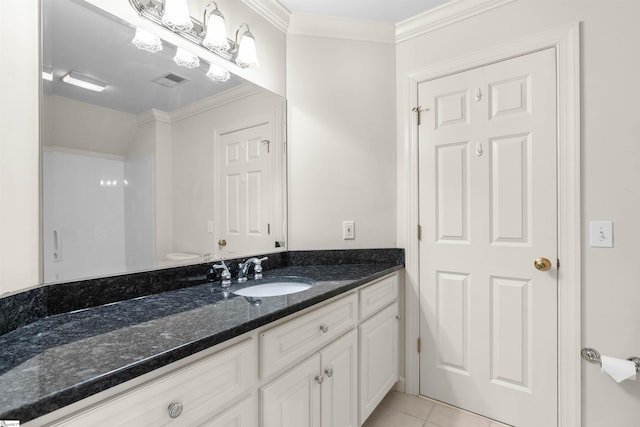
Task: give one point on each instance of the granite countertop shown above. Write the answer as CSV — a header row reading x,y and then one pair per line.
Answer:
x,y
63,358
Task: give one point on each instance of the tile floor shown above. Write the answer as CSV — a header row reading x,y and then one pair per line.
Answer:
x,y
401,410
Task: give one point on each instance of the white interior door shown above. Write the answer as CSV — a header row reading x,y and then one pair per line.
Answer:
x,y
245,210
488,207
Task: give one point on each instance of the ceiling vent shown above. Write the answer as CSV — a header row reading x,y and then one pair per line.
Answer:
x,y
170,80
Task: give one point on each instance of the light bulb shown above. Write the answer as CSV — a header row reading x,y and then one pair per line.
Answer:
x,y
184,58
218,74
144,40
247,57
216,36
176,15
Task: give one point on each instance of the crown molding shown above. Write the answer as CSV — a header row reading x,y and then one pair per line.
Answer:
x,y
341,28
80,152
153,115
441,16
272,11
228,96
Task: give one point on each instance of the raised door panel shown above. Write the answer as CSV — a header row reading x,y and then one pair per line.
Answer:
x,y
293,400
378,358
340,385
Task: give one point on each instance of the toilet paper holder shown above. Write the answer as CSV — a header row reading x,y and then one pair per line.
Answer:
x,y
592,355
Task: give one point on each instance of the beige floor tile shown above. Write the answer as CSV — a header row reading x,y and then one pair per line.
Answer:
x,y
446,416
413,405
385,416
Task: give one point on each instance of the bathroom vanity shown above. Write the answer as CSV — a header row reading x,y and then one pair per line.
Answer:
x,y
202,355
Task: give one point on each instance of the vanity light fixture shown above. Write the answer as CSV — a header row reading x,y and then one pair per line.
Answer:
x,y
144,40
82,80
246,56
186,59
176,15
216,31
211,34
217,73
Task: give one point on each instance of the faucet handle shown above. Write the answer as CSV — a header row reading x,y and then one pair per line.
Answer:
x,y
257,268
225,275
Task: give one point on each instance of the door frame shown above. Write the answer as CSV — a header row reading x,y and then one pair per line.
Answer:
x,y
566,42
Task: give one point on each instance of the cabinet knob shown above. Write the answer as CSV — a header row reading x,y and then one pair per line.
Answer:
x,y
324,328
175,409
328,372
319,379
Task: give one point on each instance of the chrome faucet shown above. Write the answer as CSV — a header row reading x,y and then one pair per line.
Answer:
x,y
243,268
225,275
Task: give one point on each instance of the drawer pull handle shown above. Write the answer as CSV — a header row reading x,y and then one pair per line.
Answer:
x,y
328,372
175,409
319,379
324,328
397,317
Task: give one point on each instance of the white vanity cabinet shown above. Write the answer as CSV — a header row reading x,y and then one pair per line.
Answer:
x,y
378,333
328,366
319,392
348,375
188,396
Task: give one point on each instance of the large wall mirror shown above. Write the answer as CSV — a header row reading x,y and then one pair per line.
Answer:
x,y
164,166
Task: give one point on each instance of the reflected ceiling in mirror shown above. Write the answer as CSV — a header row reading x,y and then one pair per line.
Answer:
x,y
163,167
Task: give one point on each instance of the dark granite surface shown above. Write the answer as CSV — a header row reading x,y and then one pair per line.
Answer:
x,y
65,357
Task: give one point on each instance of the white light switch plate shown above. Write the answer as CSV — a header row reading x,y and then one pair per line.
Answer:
x,y
601,234
348,230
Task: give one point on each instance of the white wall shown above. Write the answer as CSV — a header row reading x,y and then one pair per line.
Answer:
x,y
194,195
341,150
19,149
610,165
82,126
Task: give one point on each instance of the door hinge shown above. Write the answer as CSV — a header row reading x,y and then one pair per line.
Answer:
x,y
558,264
419,345
418,110
268,228
419,232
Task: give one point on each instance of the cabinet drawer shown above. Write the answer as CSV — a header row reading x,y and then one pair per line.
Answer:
x,y
291,341
202,388
378,295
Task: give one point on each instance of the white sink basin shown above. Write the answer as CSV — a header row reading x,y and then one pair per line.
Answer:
x,y
274,288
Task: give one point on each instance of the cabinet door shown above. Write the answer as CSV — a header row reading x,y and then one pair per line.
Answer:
x,y
378,358
293,400
340,385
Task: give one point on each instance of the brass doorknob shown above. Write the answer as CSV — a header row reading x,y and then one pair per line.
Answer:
x,y
222,242
542,264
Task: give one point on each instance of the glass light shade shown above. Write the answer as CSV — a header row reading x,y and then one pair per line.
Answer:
x,y
144,40
216,37
218,74
247,57
176,15
184,58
